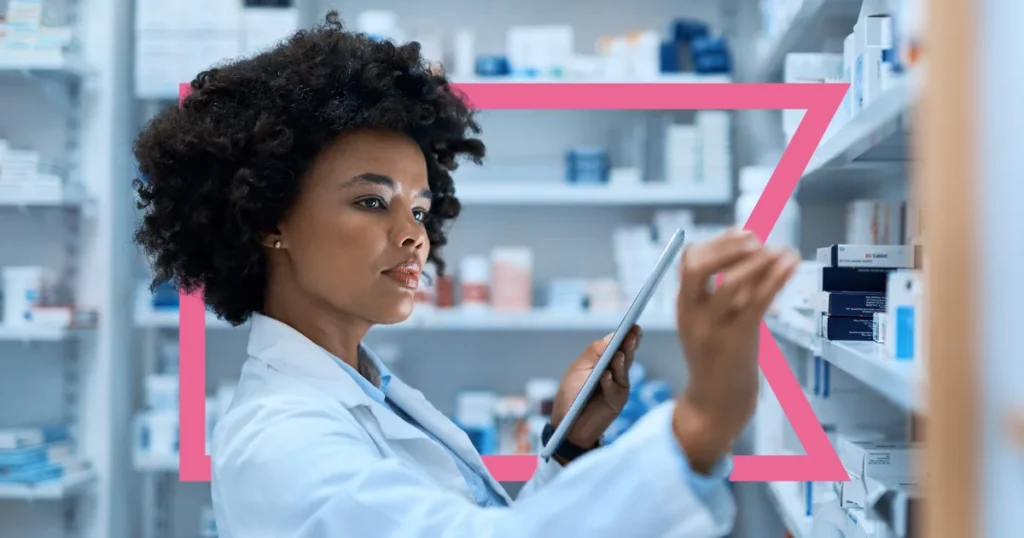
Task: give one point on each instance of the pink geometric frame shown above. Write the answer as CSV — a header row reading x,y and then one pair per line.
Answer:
x,y
821,463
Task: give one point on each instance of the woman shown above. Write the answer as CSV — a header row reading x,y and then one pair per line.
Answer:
x,y
305,189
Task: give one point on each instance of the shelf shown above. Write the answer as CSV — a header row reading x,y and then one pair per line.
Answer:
x,y
527,193
168,319
44,64
667,78
36,334
815,21
874,134
865,361
51,73
171,94
53,490
19,196
149,463
790,509
458,320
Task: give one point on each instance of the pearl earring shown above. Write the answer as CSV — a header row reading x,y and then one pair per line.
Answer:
x,y
277,244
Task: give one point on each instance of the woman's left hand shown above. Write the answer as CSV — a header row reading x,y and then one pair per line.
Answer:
x,y
607,400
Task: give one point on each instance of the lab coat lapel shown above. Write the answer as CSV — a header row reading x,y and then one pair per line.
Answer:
x,y
288,351
419,408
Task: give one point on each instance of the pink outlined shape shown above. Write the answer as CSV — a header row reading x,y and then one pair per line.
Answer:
x,y
819,463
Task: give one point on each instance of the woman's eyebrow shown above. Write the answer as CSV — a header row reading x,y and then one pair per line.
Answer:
x,y
384,181
376,179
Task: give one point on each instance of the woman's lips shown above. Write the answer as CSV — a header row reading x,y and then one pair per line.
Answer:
x,y
408,277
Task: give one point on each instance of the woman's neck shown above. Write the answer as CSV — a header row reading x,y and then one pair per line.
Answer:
x,y
337,332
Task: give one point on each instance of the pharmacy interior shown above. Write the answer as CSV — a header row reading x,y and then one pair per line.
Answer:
x,y
912,378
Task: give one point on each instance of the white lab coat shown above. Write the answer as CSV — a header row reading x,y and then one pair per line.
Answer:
x,y
303,452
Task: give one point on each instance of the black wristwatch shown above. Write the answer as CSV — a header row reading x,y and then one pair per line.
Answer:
x,y
567,451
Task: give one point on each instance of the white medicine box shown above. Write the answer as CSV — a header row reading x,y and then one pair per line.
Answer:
x,y
904,315
878,460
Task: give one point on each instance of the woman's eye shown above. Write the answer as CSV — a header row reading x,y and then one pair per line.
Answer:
x,y
420,214
372,203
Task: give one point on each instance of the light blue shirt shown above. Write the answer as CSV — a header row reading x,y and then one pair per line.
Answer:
x,y
483,494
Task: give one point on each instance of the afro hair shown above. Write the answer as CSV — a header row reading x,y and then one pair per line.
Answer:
x,y
219,172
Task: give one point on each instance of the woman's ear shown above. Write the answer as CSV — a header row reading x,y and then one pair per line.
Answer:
x,y
273,241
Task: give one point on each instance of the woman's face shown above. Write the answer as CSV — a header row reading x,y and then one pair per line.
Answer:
x,y
354,242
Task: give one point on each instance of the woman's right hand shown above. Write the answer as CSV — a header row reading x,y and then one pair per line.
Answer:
x,y
718,327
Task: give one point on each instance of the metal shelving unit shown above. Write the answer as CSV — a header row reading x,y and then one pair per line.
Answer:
x,y
866,155
65,80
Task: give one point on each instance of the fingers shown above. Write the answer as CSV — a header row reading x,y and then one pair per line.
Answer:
x,y
618,371
783,267
608,385
597,347
740,282
702,261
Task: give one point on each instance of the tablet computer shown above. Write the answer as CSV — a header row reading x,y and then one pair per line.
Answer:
x,y
675,245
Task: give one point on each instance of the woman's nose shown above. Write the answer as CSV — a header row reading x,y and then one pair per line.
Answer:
x,y
410,233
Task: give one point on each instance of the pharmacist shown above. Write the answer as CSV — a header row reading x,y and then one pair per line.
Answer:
x,y
303,189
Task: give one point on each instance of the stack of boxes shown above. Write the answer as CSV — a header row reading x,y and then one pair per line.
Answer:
x,y
848,411
871,288
30,456
852,286
23,179
26,40
880,497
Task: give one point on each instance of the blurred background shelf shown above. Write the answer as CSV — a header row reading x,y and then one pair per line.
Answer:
x,y
13,195
53,490
812,24
150,463
790,508
560,194
37,334
455,320
680,78
867,361
869,152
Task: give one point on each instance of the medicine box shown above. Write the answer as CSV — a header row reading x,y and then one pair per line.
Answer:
x,y
817,492
849,303
879,326
903,331
842,328
871,463
861,279
880,460
880,256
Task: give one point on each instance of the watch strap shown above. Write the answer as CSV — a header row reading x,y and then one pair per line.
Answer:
x,y
566,450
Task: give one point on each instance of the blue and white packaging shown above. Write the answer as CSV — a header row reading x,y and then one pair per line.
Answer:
x,y
872,280
879,256
849,303
903,330
475,413
654,393
839,328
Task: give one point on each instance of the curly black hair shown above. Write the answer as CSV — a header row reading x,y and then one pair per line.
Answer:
x,y
218,173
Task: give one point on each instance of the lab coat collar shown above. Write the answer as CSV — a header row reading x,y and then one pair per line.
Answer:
x,y
285,349
288,351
